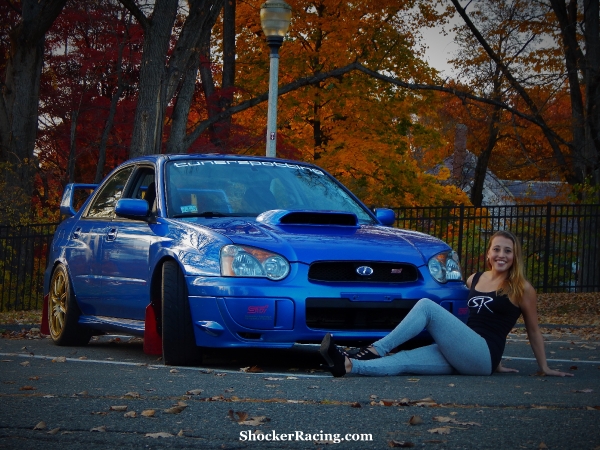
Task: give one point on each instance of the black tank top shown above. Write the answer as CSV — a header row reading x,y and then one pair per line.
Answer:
x,y
492,316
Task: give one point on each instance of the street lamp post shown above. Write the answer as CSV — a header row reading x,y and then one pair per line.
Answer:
x,y
275,18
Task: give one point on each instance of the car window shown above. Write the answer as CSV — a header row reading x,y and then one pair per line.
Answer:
x,y
103,205
248,188
143,186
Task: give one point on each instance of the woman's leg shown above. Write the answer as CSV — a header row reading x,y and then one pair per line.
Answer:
x,y
422,361
456,345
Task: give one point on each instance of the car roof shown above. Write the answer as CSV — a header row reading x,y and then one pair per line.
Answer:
x,y
211,156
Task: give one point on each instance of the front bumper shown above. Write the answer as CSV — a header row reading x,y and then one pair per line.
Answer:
x,y
244,312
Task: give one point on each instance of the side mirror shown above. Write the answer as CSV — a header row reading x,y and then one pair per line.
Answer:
x,y
386,216
132,208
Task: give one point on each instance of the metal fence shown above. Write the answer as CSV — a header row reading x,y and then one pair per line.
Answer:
x,y
23,256
560,246
560,242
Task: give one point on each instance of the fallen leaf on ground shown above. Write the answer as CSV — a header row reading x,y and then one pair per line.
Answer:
x,y
148,413
27,388
130,414
444,419
34,378
118,408
174,409
100,429
415,420
243,419
425,402
194,392
132,394
355,405
174,371
24,363
40,426
440,430
241,415
162,434
251,369
53,431
583,391
255,421
400,444
60,359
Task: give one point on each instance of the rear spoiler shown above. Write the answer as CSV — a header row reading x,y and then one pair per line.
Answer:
x,y
67,206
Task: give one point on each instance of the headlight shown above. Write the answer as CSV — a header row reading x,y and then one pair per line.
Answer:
x,y
243,261
445,267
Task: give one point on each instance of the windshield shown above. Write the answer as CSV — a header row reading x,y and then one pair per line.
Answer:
x,y
218,188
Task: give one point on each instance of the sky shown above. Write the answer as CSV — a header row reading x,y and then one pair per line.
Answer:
x,y
440,49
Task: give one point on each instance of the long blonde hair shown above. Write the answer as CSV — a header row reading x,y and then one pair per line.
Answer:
x,y
514,285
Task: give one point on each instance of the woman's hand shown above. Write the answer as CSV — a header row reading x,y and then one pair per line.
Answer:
x,y
502,369
556,373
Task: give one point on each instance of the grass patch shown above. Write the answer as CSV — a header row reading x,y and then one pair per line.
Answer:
x,y
21,317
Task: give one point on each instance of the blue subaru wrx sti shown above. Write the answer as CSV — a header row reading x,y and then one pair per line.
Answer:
x,y
196,251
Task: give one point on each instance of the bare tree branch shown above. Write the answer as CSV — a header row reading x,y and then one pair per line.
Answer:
x,y
355,66
550,136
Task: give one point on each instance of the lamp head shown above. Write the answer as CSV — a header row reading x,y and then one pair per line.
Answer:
x,y
275,18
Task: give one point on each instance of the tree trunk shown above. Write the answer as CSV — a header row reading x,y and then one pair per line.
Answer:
x,y
72,147
19,101
179,117
484,158
111,116
150,108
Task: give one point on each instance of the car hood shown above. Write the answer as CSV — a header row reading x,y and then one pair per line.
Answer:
x,y
318,236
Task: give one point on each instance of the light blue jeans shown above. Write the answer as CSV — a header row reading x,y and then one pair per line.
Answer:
x,y
457,348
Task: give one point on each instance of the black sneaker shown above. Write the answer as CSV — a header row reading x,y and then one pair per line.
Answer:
x,y
361,354
335,358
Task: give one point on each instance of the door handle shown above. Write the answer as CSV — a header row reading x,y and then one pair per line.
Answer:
x,y
76,233
111,235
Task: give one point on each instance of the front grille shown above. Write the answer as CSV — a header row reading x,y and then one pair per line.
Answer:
x,y
382,272
343,314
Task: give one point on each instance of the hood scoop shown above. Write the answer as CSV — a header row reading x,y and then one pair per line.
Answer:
x,y
328,218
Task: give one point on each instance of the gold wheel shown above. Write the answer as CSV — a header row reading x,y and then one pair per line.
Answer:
x,y
57,302
63,311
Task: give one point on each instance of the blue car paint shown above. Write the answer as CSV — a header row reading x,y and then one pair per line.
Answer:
x,y
235,311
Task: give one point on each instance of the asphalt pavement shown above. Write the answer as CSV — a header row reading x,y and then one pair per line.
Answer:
x,y
110,395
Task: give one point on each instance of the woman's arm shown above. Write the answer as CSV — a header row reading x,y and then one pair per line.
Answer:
x,y
529,309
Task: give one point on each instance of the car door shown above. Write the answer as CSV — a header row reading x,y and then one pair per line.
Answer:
x,y
126,255
84,252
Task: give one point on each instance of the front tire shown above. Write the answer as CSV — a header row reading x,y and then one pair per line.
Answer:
x,y
178,341
63,312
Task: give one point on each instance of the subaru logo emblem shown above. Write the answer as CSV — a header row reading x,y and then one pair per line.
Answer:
x,y
364,271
